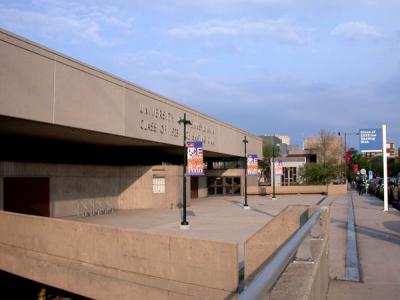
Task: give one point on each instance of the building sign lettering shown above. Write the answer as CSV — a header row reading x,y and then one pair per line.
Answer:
x,y
371,140
160,121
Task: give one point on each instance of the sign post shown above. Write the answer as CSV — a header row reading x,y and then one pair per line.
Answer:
x,y
374,140
385,181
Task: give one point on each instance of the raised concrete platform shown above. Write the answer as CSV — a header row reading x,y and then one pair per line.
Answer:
x,y
214,218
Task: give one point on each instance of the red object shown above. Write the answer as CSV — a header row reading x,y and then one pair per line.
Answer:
x,y
355,168
348,156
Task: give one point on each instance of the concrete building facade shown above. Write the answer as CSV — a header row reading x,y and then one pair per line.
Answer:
x,y
84,141
327,148
287,170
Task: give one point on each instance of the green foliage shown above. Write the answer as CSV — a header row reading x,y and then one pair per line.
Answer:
x,y
319,173
267,151
374,163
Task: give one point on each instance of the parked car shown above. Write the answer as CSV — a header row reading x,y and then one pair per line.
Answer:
x,y
396,192
370,186
391,182
373,187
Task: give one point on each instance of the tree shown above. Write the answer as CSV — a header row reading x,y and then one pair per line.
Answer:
x,y
375,164
267,151
357,159
320,173
266,162
329,148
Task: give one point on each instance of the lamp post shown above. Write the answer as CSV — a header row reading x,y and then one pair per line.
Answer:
x,y
273,171
245,206
184,121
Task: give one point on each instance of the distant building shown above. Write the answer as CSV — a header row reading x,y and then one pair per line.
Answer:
x,y
284,138
309,155
270,140
390,150
287,170
277,140
325,147
293,148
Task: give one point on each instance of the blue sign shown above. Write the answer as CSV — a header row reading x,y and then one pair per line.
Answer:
x,y
370,174
371,140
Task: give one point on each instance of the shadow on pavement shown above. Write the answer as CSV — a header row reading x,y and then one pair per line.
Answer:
x,y
240,204
392,225
375,202
374,233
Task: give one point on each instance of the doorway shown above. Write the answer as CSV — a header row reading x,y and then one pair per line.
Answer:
x,y
289,175
220,186
27,195
194,187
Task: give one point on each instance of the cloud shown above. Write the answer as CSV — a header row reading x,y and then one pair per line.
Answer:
x,y
80,22
356,30
279,29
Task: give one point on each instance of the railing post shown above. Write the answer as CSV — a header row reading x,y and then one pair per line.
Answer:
x,y
316,231
303,253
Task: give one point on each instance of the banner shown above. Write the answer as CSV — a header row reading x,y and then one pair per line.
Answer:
x,y
252,165
195,164
355,168
348,157
371,140
278,167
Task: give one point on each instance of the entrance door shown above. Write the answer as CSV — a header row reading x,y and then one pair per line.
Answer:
x,y
194,187
289,175
27,195
223,185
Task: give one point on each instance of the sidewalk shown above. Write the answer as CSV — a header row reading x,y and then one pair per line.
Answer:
x,y
378,238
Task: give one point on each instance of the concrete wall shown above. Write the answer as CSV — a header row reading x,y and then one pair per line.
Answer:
x,y
69,93
337,189
265,242
72,187
103,262
307,281
331,189
299,280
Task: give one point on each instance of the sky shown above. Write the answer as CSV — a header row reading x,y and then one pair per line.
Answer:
x,y
289,67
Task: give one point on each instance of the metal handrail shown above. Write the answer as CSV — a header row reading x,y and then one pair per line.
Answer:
x,y
268,275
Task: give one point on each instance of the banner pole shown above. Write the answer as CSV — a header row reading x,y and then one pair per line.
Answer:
x,y
385,181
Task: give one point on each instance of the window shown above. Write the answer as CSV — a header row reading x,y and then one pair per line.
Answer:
x,y
289,175
158,185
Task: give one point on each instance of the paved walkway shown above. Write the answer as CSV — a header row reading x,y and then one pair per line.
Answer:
x,y
215,218
378,237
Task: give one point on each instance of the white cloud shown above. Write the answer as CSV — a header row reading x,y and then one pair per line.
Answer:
x,y
356,30
280,29
54,19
